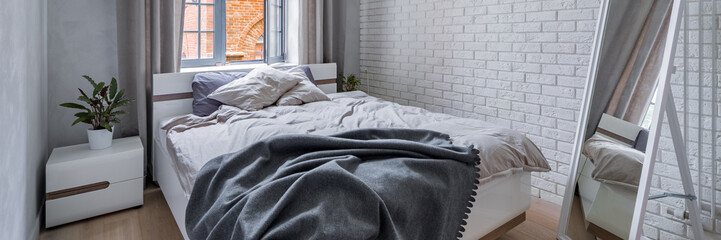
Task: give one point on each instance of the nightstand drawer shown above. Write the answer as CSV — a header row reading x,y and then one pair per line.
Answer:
x,y
76,166
116,196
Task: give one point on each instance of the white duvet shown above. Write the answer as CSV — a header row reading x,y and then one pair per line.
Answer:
x,y
192,141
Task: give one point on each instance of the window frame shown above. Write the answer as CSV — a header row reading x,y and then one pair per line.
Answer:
x,y
218,35
281,57
219,23
648,116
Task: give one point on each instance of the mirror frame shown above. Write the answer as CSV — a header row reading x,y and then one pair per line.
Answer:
x,y
666,71
663,95
582,122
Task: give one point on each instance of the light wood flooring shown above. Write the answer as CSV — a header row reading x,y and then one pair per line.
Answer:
x,y
541,222
154,221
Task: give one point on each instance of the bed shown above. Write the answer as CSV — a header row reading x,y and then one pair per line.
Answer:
x,y
503,193
607,204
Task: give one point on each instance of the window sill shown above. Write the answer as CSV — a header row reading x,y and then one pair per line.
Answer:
x,y
233,67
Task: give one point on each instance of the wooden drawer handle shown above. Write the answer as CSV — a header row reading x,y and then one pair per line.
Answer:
x,y
77,190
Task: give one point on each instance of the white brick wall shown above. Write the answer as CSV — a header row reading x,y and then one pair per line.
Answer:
x,y
521,64
518,63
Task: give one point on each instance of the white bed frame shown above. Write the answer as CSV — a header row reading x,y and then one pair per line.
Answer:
x,y
500,203
173,96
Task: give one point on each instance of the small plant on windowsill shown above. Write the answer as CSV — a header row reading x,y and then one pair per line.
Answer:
x,y
100,112
350,83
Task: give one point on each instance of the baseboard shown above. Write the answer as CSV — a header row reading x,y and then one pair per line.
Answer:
x,y
34,232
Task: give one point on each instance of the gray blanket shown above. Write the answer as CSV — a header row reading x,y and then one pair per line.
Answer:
x,y
361,184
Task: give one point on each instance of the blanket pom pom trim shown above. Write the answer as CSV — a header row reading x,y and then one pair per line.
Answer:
x,y
472,192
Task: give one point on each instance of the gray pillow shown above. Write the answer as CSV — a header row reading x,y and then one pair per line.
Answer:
x,y
641,140
204,84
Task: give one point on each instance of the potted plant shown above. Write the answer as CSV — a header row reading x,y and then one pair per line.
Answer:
x,y
350,83
101,112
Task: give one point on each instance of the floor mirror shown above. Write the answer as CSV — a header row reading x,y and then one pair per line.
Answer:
x,y
618,128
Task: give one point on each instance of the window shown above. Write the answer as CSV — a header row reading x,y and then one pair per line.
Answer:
x,y
648,117
222,32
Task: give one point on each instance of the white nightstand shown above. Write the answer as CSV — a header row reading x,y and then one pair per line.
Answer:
x,y
82,183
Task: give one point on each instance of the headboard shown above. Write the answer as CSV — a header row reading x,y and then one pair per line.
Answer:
x,y
173,94
618,130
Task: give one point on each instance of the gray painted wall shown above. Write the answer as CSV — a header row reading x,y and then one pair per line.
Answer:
x,y
23,91
82,40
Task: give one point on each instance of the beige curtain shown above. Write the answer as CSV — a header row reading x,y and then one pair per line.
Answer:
x,y
310,35
638,81
624,27
149,40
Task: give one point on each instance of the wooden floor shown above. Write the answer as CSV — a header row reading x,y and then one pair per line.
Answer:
x,y
154,221
541,222
151,221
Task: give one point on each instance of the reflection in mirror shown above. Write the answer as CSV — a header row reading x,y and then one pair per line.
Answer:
x,y
624,76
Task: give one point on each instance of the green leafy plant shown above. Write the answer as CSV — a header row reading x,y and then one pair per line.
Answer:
x,y
102,105
350,83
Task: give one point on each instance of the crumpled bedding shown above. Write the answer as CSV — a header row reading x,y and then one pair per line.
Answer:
x,y
192,141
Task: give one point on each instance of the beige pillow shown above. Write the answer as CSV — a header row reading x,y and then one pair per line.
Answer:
x,y
614,163
260,88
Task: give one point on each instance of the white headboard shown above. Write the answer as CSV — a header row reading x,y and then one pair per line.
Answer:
x,y
173,94
618,130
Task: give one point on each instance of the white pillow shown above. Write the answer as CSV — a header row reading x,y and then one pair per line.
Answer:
x,y
260,88
304,92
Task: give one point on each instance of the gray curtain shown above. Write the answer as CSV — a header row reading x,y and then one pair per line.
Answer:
x,y
341,40
310,39
624,26
149,40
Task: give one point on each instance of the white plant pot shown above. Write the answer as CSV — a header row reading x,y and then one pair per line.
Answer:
x,y
100,139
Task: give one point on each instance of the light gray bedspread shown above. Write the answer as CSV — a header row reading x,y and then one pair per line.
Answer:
x,y
360,184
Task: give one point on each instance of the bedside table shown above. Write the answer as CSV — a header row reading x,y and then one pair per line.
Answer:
x,y
82,183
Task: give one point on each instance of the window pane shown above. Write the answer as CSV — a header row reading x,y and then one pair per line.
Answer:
x,y
190,46
258,51
191,17
278,44
244,28
206,18
191,1
272,22
277,18
206,45
274,32
206,1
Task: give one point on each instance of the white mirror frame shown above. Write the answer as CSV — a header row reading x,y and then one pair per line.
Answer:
x,y
582,122
666,71
665,104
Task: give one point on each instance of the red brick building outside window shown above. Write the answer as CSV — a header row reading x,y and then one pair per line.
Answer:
x,y
243,30
244,27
